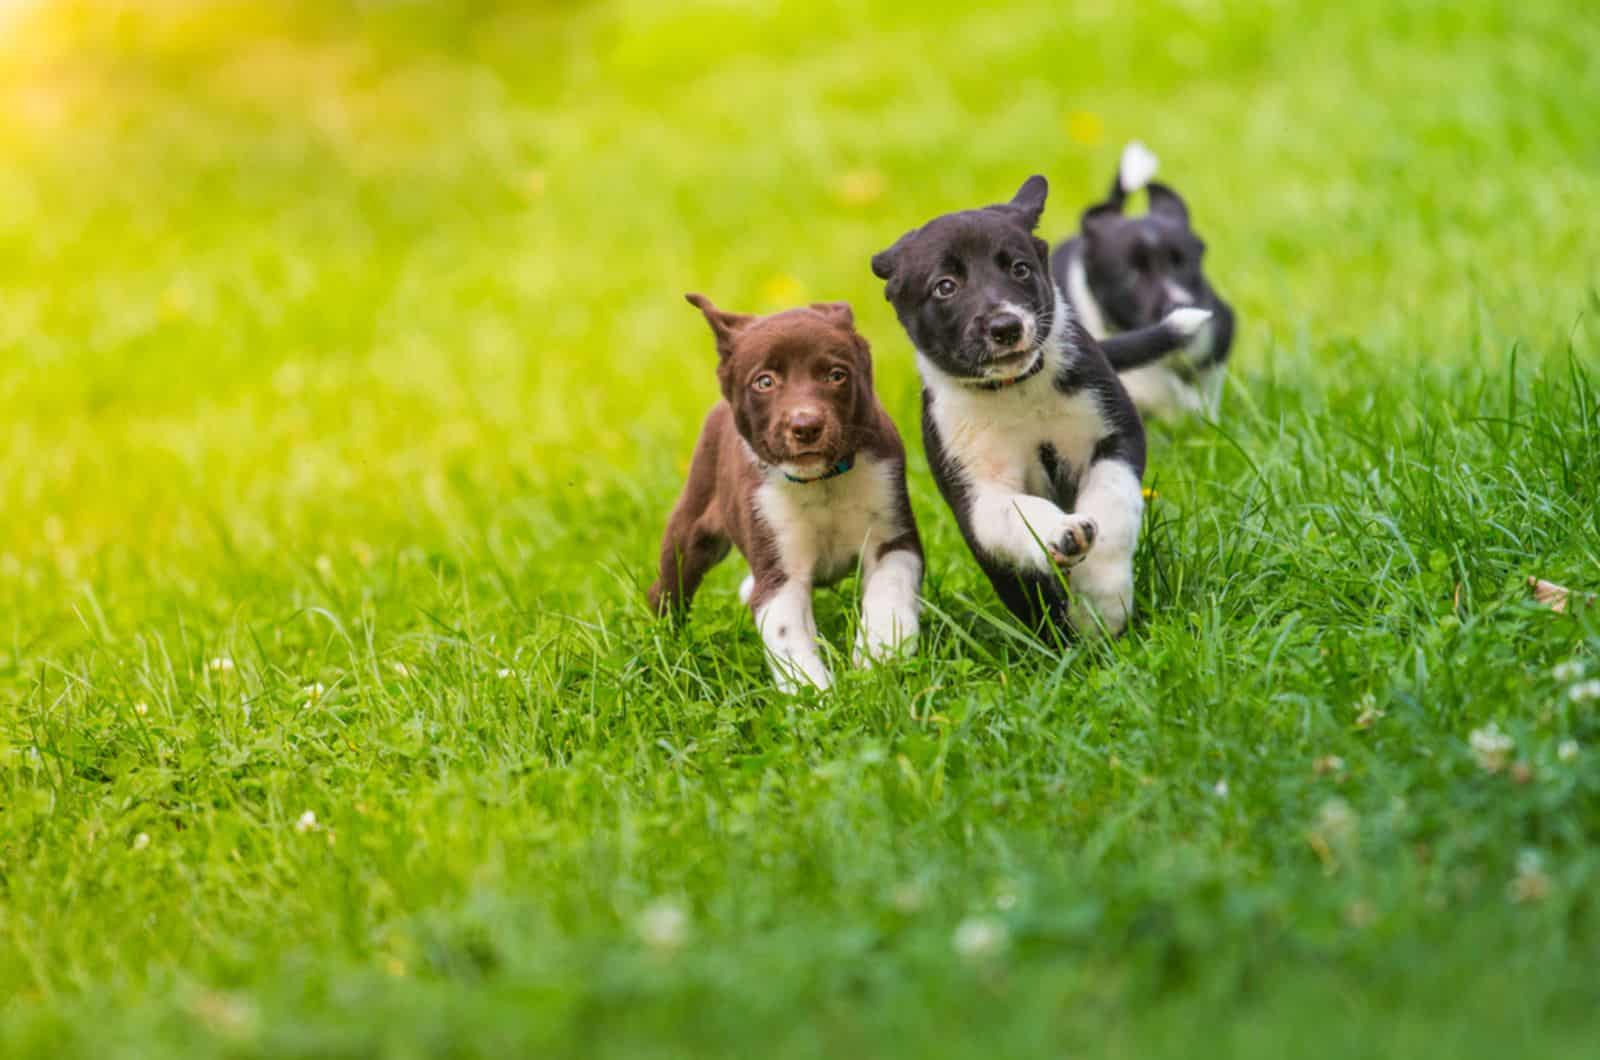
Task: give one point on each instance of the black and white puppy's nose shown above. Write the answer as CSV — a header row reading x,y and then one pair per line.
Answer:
x,y
1005,329
805,425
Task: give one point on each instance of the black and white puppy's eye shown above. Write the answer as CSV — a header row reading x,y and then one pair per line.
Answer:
x,y
837,375
1021,270
1177,258
945,288
764,381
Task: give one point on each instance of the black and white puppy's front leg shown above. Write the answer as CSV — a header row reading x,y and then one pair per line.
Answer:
x,y
1111,495
1021,540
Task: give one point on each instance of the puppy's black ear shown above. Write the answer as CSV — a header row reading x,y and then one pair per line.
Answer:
x,y
838,313
1029,200
884,262
724,325
1168,203
1097,220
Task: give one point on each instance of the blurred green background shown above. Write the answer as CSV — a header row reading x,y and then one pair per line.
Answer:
x,y
303,273
343,344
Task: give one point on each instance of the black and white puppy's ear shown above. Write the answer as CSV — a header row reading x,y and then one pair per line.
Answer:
x,y
1029,200
1168,203
1098,220
884,262
724,325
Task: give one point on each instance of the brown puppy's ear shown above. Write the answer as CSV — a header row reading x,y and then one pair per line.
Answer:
x,y
1029,200
724,325
1168,203
838,313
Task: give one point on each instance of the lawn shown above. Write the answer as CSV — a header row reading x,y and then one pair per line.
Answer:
x,y
347,381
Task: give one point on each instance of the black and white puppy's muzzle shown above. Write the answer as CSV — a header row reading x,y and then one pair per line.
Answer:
x,y
1012,340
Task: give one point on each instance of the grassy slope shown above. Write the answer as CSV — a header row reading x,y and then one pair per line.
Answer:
x,y
337,341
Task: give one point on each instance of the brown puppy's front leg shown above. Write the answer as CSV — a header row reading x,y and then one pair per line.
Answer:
x,y
690,548
696,539
782,608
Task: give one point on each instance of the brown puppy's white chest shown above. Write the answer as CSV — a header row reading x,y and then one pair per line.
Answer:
x,y
822,530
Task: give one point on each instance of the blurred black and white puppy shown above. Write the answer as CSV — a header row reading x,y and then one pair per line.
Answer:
x,y
1121,273
1033,442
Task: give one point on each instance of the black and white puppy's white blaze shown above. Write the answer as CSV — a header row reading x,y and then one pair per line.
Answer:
x,y
1033,442
1120,273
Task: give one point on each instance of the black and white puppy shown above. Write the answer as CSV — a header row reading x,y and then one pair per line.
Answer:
x,y
1122,273
1033,442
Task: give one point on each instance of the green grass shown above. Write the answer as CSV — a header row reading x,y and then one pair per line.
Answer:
x,y
346,343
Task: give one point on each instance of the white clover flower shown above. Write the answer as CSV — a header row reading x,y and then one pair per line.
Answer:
x,y
979,938
315,691
1584,691
1336,821
1531,884
505,673
1220,788
141,840
1491,747
663,925
220,664
306,823
1569,671
1568,751
907,898
141,708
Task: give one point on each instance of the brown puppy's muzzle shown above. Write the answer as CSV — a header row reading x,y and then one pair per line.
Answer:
x,y
807,431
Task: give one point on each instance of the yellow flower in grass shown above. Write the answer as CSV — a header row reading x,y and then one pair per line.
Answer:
x,y
859,187
783,291
1085,127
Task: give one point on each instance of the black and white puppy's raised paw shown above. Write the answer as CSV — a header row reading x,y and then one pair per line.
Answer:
x,y
1122,274
1033,442
1073,546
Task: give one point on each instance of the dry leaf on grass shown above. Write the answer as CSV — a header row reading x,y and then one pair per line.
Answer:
x,y
1555,597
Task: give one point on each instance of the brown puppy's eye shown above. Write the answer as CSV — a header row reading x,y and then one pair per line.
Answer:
x,y
764,381
945,288
837,375
1020,270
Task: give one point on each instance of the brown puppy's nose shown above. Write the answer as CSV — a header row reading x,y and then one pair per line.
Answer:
x,y
805,425
1005,329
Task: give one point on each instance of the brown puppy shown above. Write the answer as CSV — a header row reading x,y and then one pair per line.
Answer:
x,y
800,467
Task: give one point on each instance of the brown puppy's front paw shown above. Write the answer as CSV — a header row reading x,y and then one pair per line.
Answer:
x,y
1075,541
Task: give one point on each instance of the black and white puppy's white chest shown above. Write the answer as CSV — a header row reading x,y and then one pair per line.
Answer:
x,y
1032,434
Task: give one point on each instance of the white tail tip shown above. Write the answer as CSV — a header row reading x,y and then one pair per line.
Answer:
x,y
1138,167
747,587
1187,321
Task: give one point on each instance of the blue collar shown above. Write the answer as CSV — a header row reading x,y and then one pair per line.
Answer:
x,y
833,472
1001,384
